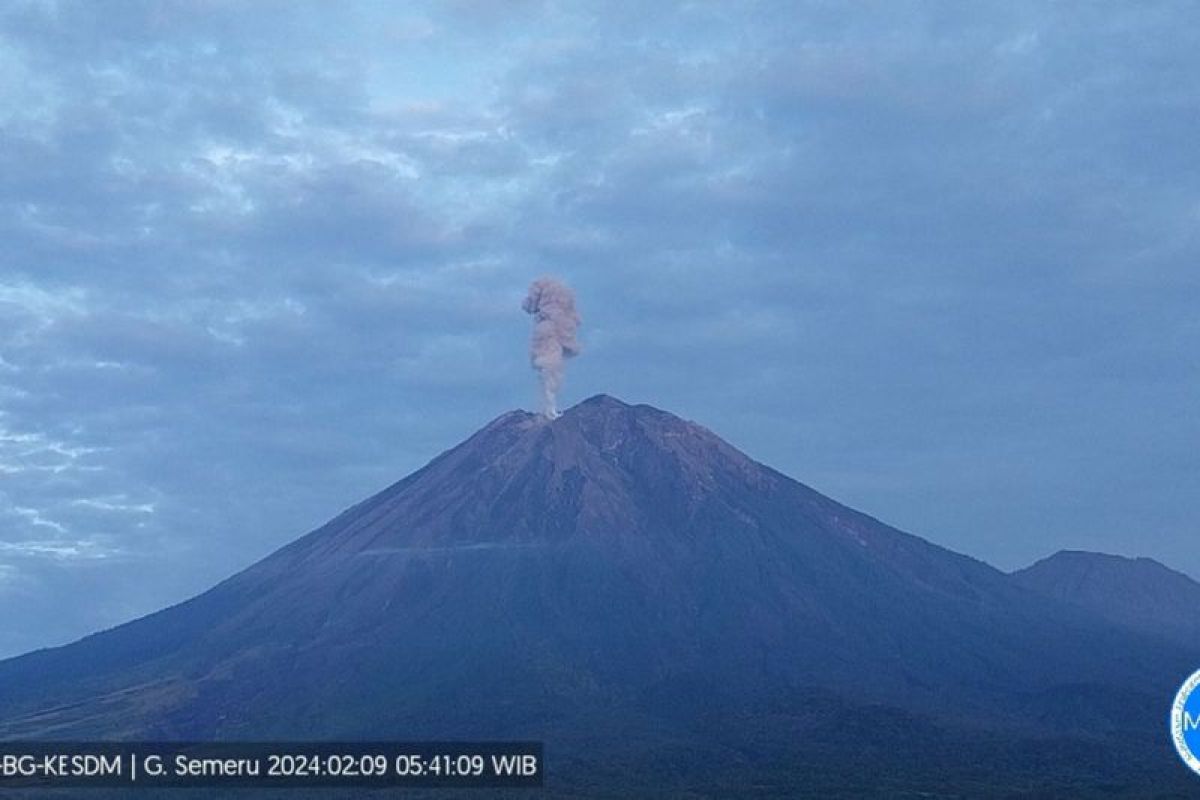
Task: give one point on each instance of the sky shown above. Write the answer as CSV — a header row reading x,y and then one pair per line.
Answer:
x,y
259,260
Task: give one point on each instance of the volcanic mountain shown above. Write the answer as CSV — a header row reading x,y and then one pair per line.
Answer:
x,y
663,611
1139,593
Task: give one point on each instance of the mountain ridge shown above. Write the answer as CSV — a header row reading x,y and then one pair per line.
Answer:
x,y
1139,593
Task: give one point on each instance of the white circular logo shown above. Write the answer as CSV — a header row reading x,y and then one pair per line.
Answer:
x,y
1185,722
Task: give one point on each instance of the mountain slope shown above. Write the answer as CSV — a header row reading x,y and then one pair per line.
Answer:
x,y
614,578
1138,593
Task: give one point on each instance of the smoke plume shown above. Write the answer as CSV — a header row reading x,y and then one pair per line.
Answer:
x,y
555,320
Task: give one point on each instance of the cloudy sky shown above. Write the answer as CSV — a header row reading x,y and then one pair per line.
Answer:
x,y
260,259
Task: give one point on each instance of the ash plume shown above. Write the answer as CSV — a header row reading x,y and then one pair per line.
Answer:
x,y
555,321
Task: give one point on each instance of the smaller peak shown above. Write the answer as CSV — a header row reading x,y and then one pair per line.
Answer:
x,y
1089,554
1094,555
1092,559
1064,557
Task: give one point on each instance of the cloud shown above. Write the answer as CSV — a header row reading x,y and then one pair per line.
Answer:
x,y
937,263
58,549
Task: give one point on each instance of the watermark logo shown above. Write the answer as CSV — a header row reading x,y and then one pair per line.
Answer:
x,y
1185,722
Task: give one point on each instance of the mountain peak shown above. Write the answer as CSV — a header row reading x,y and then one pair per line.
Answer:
x,y
605,405
1076,561
599,404
602,467
601,401
1138,593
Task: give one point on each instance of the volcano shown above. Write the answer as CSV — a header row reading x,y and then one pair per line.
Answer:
x,y
667,614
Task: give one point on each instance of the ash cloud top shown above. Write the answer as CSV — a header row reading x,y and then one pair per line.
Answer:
x,y
260,259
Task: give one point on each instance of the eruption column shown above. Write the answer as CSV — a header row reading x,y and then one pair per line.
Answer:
x,y
555,321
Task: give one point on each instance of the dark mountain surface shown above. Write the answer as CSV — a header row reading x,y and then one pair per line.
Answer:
x,y
1139,593
670,616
